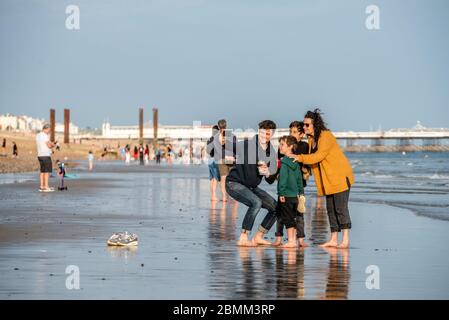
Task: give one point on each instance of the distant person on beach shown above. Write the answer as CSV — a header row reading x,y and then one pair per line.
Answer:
x,y
127,155
147,154
90,159
214,174
136,153
15,150
158,155
170,154
141,154
3,148
296,130
333,175
44,146
224,156
289,189
255,159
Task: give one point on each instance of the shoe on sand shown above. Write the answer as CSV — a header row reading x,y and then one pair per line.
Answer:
x,y
123,239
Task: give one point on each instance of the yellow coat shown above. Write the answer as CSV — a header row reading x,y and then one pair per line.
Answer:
x,y
329,164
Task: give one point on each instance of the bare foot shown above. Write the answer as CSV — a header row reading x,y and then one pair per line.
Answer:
x,y
245,243
289,244
214,199
261,241
330,244
343,245
277,242
224,199
302,244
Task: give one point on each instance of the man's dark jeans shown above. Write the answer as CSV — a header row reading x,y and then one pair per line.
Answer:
x,y
255,199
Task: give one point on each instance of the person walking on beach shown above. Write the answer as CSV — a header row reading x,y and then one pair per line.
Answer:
x,y
3,154
289,188
147,154
255,159
15,150
296,130
127,155
333,175
141,154
90,159
44,146
136,153
214,174
225,155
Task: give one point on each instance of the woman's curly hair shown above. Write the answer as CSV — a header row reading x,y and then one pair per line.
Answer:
x,y
318,122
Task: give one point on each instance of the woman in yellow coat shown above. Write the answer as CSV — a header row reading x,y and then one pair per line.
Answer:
x,y
333,175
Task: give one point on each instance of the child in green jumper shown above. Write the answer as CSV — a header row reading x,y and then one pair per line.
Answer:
x,y
289,188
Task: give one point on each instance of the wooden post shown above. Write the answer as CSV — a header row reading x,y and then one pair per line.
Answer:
x,y
67,126
155,125
140,125
52,125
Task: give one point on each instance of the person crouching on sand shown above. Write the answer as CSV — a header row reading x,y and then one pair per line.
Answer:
x,y
289,188
333,175
255,159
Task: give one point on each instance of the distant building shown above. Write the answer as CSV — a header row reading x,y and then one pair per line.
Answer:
x,y
169,132
9,122
73,129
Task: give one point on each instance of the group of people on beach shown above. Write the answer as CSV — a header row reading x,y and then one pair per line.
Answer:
x,y
240,167
15,149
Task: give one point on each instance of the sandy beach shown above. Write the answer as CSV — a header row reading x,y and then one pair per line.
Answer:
x,y
187,245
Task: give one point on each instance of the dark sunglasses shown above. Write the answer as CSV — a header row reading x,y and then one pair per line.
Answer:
x,y
307,125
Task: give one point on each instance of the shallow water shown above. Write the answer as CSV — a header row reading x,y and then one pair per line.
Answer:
x,y
187,246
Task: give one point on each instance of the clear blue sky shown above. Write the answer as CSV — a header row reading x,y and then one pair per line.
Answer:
x,y
240,60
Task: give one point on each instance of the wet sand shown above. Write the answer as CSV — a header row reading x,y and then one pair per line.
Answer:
x,y
187,246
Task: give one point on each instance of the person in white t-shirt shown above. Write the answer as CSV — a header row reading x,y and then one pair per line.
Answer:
x,y
44,146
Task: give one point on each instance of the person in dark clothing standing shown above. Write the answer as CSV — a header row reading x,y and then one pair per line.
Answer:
x,y
15,152
289,188
255,159
301,147
214,174
141,154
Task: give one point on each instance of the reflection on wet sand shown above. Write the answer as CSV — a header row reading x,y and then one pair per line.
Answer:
x,y
272,273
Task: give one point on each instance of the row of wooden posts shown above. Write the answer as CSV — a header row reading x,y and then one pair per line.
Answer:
x,y
67,124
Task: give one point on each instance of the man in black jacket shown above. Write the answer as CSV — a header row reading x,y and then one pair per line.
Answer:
x,y
255,159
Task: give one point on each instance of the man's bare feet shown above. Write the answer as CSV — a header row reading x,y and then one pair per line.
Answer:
x,y
261,241
245,243
289,244
224,199
329,244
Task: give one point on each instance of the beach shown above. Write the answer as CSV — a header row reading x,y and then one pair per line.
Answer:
x,y
187,244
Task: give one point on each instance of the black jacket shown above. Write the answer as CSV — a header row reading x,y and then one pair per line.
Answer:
x,y
248,154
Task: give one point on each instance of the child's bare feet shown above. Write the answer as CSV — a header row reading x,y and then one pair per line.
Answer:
x,y
277,242
302,244
289,244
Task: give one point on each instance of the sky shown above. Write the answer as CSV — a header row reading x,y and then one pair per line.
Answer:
x,y
244,61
